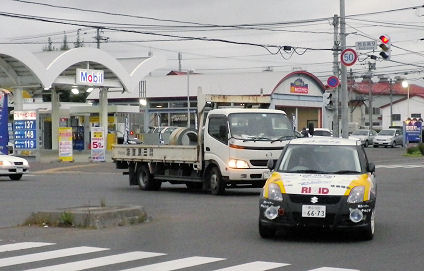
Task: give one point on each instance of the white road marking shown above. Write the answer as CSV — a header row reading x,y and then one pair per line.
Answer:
x,y
399,166
333,269
254,266
97,262
176,264
36,257
23,245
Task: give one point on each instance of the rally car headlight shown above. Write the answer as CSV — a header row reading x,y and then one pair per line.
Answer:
x,y
274,192
356,194
235,163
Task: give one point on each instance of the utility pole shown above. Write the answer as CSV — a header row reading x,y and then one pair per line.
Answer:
x,y
343,96
179,61
391,102
370,111
371,66
100,38
335,127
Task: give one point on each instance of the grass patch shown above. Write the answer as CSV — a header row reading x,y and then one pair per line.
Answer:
x,y
415,151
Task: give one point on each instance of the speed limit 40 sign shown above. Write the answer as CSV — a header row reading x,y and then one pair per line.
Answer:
x,y
349,57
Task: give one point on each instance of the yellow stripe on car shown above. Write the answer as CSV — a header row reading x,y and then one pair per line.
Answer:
x,y
362,181
274,178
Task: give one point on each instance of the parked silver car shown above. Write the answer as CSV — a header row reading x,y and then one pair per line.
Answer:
x,y
365,135
388,137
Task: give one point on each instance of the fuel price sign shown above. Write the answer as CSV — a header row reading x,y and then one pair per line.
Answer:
x,y
25,130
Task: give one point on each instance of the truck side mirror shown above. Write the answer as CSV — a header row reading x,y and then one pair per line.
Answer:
x,y
270,164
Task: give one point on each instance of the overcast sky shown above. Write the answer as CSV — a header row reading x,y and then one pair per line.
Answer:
x,y
405,27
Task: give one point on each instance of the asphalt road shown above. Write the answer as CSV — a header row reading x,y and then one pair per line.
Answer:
x,y
185,224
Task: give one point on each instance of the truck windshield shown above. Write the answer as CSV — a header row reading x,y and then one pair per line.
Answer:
x,y
260,126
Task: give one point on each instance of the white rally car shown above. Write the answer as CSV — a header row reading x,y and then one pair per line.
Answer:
x,y
13,166
320,182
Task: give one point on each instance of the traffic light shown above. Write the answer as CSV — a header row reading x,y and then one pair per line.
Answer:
x,y
327,99
385,44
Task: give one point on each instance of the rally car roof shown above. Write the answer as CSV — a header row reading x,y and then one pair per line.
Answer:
x,y
325,140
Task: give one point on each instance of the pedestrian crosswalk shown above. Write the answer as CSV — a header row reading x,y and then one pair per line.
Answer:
x,y
394,166
65,255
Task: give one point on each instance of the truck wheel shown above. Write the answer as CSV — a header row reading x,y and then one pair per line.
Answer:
x,y
15,177
266,232
145,179
216,183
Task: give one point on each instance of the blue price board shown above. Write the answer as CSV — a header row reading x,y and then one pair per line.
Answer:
x,y
25,124
25,130
25,144
25,134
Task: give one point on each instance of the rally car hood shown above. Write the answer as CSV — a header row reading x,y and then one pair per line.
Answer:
x,y
320,184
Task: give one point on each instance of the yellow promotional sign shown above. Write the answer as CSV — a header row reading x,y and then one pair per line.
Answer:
x,y
65,144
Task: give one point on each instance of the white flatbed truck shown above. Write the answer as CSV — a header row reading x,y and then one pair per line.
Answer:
x,y
232,148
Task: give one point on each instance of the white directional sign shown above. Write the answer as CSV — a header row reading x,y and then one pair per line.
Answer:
x,y
366,45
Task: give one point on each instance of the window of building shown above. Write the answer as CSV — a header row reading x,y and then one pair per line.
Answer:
x,y
396,117
416,115
375,110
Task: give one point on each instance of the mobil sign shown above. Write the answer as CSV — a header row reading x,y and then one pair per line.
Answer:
x,y
90,77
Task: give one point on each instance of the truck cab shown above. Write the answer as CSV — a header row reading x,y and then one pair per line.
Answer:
x,y
237,143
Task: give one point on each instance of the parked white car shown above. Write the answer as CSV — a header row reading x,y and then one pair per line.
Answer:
x,y
13,166
365,135
388,137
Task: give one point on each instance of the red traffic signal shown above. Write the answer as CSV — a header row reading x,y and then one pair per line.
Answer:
x,y
384,39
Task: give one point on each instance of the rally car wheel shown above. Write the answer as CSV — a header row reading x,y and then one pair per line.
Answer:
x,y
369,231
266,232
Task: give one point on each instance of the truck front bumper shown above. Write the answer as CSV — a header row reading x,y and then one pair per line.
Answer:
x,y
249,176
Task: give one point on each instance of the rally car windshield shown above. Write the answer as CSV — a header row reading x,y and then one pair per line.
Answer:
x,y
260,127
320,159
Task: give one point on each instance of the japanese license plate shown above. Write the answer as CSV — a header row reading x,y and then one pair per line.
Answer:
x,y
19,170
313,211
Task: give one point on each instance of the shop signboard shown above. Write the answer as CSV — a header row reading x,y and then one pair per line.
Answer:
x,y
97,144
413,131
89,77
65,144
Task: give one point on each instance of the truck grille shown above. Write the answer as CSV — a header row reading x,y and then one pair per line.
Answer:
x,y
260,163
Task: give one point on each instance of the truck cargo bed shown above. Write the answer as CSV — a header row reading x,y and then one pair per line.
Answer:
x,y
155,153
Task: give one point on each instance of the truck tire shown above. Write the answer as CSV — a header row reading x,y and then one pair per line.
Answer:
x,y
216,182
145,179
15,177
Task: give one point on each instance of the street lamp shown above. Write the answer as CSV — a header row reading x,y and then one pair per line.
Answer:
x,y
405,84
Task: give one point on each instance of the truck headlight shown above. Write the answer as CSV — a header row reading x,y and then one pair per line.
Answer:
x,y
274,192
235,163
356,194
5,163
